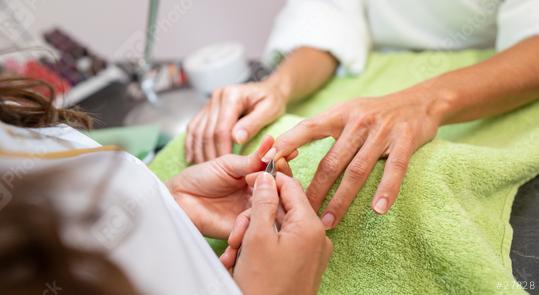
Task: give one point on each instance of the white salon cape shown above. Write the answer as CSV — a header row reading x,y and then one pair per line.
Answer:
x,y
349,29
139,225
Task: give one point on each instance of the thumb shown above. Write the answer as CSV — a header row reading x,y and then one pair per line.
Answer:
x,y
264,208
249,125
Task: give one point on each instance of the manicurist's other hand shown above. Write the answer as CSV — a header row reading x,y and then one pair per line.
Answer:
x,y
365,130
288,260
214,193
233,115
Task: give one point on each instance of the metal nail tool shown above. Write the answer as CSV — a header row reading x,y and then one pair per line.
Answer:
x,y
271,168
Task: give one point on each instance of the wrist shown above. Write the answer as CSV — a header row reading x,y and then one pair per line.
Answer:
x,y
439,102
282,84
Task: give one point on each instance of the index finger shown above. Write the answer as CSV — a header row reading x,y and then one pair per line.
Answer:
x,y
303,133
293,196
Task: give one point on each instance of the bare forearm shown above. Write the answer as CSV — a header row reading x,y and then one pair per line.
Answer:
x,y
506,81
303,72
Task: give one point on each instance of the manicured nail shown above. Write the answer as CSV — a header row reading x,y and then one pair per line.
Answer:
x,y
264,179
241,136
381,206
269,155
328,220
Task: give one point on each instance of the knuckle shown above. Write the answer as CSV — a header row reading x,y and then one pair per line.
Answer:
x,y
265,199
208,136
338,204
308,124
330,165
232,93
312,196
358,170
407,135
399,164
284,141
405,129
360,122
225,91
365,119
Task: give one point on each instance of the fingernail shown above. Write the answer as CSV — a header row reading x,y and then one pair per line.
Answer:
x,y
328,220
269,155
265,179
381,206
241,136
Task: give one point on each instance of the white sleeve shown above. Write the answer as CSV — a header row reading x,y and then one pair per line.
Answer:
x,y
517,20
337,26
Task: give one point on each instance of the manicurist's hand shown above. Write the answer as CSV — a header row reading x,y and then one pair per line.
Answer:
x,y
289,260
234,114
214,193
365,129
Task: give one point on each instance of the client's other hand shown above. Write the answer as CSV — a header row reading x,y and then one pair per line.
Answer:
x,y
286,261
234,114
214,193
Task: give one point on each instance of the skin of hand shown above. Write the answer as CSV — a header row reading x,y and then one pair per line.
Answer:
x,y
237,113
214,193
396,125
290,260
365,130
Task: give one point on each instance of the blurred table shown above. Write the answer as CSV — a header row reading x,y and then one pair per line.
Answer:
x,y
110,105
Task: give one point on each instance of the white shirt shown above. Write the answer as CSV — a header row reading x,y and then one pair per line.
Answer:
x,y
140,225
350,28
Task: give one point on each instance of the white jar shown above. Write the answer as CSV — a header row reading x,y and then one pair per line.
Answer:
x,y
217,65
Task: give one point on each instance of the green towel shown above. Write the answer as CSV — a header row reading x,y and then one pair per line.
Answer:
x,y
449,230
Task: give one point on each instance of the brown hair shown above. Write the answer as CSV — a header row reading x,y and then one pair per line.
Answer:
x,y
29,103
33,257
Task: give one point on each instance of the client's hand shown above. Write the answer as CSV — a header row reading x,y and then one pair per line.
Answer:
x,y
365,130
234,114
286,261
215,192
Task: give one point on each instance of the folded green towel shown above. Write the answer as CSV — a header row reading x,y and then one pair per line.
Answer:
x,y
449,230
